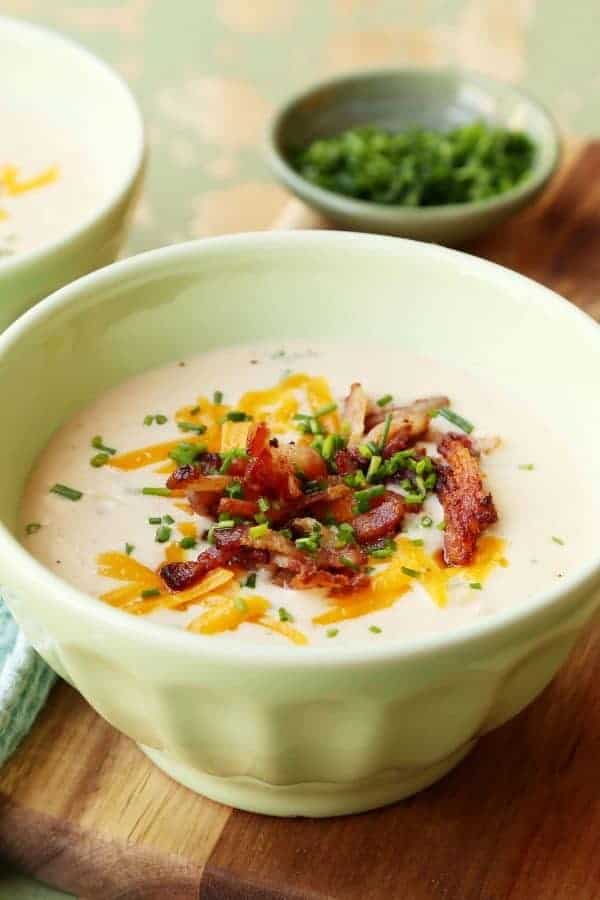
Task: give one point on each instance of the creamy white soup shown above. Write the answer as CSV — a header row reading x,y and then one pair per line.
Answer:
x,y
47,182
386,551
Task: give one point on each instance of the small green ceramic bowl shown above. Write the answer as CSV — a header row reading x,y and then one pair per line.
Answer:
x,y
95,111
296,730
399,99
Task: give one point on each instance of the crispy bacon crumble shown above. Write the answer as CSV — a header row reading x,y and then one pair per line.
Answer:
x,y
312,511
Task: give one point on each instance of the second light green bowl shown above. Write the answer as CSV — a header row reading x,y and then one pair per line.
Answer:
x,y
398,99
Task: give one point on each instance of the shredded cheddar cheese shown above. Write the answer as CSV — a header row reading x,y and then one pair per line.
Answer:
x,y
9,179
227,616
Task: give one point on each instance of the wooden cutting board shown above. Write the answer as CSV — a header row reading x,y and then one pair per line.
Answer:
x,y
83,809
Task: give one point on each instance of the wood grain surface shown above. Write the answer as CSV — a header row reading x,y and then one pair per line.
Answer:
x,y
83,809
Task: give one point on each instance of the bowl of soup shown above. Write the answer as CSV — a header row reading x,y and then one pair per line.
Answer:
x,y
287,513
67,187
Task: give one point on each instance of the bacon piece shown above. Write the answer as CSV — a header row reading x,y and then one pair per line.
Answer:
x,y
269,470
336,582
468,505
355,410
305,460
411,411
237,509
384,518
181,575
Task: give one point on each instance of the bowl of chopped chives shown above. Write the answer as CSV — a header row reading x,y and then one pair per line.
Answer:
x,y
437,155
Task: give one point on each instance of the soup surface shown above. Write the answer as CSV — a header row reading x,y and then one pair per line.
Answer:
x,y
47,182
113,539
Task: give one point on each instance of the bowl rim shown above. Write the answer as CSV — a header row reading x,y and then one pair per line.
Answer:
x,y
13,554
113,197
349,206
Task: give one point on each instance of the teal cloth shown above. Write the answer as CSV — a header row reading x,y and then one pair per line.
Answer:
x,y
25,681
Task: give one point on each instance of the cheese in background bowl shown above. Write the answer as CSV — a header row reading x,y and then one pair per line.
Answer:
x,y
66,185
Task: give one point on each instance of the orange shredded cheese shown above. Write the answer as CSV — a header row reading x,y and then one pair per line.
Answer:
x,y
283,628
227,616
9,178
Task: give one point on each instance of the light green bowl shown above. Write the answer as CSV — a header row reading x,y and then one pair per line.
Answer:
x,y
90,102
399,99
288,730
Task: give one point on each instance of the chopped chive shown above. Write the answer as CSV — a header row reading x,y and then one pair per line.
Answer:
x,y
154,520
168,520
363,498
412,573
129,548
187,543
384,550
527,467
417,542
383,401
150,592
258,531
240,604
228,457
375,629
386,431
263,504
251,580
286,533
97,444
332,632
328,448
284,615
325,410
235,490
365,451
148,420
156,492
186,454
236,415
346,561
558,540
441,526
196,428
453,417
160,419
374,467
224,523
308,544
476,585
67,492
218,398
194,410
163,533
345,534
99,460
32,527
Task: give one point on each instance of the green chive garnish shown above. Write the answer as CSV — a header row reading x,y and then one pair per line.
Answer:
x,y
32,527
240,604
162,534
258,531
263,504
218,398
186,454
332,632
228,457
426,521
345,533
160,419
251,580
476,586
187,543
384,551
417,542
235,490
383,401
453,417
195,428
148,420
99,460
375,629
150,592
441,526
154,520
386,431
194,410
363,498
97,444
284,615
156,492
527,467
129,548
168,520
558,540
412,573
374,467
236,415
325,410
68,493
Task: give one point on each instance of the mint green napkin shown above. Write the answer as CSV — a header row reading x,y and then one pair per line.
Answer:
x,y
25,680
